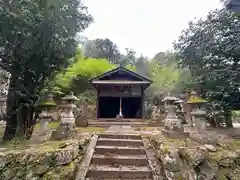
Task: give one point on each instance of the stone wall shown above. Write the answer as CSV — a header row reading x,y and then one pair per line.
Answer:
x,y
52,161
189,160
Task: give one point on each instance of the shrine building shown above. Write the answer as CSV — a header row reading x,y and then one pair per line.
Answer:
x,y
120,93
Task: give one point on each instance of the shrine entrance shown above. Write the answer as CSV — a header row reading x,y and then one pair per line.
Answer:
x,y
108,107
132,107
120,93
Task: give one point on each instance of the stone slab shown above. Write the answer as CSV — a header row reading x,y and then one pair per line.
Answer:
x,y
85,163
119,150
109,159
120,136
119,142
131,172
153,161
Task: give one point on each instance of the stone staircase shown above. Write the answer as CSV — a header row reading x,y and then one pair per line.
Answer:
x,y
119,156
117,122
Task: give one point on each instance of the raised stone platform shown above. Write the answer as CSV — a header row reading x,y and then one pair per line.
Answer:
x,y
175,134
117,122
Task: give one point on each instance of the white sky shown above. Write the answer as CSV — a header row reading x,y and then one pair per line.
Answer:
x,y
147,26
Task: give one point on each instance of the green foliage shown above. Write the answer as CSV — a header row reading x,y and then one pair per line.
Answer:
x,y
76,77
102,49
210,48
38,39
165,78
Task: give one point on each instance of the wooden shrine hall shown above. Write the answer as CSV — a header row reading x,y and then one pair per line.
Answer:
x,y
120,94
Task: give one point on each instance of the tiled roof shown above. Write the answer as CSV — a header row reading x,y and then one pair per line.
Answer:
x,y
119,82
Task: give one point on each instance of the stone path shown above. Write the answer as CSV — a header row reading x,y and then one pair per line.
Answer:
x,y
119,153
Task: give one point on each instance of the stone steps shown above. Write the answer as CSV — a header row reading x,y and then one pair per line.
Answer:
x,y
119,156
138,160
119,142
131,172
120,136
119,150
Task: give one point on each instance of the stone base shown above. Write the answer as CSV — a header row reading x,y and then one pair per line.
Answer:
x,y
204,138
64,131
81,121
156,123
175,134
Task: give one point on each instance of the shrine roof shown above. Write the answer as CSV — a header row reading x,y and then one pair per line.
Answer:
x,y
114,75
115,82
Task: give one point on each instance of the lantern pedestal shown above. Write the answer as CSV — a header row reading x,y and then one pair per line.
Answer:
x,y
64,131
198,114
44,124
81,120
45,105
198,120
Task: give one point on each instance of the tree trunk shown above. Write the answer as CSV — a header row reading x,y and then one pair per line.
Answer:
x,y
29,123
23,117
228,120
11,111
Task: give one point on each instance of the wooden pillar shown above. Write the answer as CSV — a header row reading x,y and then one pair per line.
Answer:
x,y
97,104
120,107
142,94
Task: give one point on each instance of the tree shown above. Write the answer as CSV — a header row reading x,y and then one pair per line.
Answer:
x,y
165,58
128,58
76,76
4,76
142,66
102,49
38,39
210,48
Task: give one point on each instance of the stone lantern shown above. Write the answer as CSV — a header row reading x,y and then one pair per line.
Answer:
x,y
171,119
173,125
198,114
45,105
181,114
67,119
67,108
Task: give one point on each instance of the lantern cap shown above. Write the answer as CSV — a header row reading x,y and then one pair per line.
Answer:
x,y
170,98
46,101
179,101
70,96
195,99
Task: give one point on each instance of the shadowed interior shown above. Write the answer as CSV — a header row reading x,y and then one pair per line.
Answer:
x,y
131,107
108,107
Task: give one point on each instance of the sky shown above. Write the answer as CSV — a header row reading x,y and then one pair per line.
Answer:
x,y
146,26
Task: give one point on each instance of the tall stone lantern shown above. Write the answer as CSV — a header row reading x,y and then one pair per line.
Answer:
x,y
198,114
171,119
67,119
173,125
181,114
45,105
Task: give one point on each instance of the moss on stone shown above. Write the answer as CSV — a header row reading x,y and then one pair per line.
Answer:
x,y
234,145
90,129
47,161
195,100
51,125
